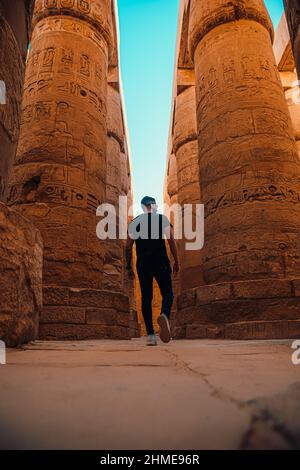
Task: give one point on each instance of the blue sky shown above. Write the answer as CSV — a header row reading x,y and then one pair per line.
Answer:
x,y
148,36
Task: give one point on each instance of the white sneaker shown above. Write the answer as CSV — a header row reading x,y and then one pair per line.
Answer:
x,y
151,340
165,331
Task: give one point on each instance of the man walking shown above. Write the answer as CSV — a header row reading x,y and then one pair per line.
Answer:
x,y
148,231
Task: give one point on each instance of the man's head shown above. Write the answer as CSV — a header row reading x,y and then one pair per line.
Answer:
x,y
148,204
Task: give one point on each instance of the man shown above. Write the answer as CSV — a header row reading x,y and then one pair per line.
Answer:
x,y
148,231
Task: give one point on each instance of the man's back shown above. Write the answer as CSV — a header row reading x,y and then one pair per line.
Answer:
x,y
148,232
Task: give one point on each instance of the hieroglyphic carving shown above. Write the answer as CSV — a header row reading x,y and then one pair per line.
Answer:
x,y
245,136
248,166
235,70
97,13
13,46
11,73
59,178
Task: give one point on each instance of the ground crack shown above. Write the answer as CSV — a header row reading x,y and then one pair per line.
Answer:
x,y
215,391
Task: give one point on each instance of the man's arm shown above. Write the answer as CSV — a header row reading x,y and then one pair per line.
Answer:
x,y
169,232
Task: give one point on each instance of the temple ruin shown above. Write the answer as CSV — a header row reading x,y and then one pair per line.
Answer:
x,y
249,173
234,146
72,156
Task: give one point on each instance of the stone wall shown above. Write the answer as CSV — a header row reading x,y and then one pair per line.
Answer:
x,y
21,255
14,39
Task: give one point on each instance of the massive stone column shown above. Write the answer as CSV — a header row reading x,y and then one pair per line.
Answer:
x,y
171,199
292,10
20,242
118,183
288,75
130,285
184,160
118,180
59,176
15,20
249,176
185,147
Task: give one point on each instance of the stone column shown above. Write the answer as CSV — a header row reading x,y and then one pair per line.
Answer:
x,y
14,39
117,166
116,185
118,181
59,177
291,89
185,147
292,10
288,74
171,198
250,177
132,285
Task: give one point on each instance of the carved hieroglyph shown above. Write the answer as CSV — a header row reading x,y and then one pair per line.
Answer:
x,y
250,170
249,178
59,177
14,38
292,10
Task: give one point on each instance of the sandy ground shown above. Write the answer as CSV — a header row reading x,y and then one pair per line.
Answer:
x,y
196,394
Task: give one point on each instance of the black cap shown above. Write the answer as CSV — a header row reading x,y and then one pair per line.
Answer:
x,y
147,201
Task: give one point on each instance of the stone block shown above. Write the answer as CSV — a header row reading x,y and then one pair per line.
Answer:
x,y
61,314
21,255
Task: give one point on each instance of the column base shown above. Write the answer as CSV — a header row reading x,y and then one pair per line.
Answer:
x,y
260,309
81,314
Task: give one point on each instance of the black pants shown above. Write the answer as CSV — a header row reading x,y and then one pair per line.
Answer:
x,y
162,273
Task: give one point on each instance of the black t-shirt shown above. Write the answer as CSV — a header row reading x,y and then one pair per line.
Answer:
x,y
148,232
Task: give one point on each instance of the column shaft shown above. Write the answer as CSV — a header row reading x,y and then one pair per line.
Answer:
x,y
249,176
59,177
185,147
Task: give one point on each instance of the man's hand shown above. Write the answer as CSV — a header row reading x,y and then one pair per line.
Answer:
x,y
176,268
